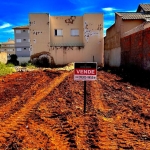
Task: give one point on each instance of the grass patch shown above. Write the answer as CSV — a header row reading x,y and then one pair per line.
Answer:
x,y
28,65
6,69
10,65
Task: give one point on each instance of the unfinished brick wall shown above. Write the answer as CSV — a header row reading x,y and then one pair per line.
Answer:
x,y
135,49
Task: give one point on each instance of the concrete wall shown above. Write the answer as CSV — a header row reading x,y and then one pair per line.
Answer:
x,y
39,32
66,24
130,24
113,39
136,49
113,57
23,59
3,57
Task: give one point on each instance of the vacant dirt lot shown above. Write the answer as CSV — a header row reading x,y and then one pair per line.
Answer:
x,y
44,110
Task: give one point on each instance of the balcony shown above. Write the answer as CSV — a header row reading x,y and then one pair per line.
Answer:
x,y
66,44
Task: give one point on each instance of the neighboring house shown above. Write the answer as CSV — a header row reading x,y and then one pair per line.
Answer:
x,y
68,38
8,47
124,22
22,41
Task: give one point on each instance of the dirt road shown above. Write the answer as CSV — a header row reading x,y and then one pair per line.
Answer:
x,y
44,110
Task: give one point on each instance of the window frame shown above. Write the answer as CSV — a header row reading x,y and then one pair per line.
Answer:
x,y
74,34
18,40
18,31
57,32
18,49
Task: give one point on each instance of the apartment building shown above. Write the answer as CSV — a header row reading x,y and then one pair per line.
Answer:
x,y
8,47
68,38
22,41
124,22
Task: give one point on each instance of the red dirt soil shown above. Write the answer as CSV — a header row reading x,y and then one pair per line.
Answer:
x,y
43,110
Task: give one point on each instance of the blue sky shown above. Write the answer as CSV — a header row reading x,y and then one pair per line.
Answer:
x,y
16,13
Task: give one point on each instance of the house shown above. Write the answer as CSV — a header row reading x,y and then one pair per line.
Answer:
x,y
125,23
8,47
22,43
68,38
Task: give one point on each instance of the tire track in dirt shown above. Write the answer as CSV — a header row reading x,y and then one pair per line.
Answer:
x,y
125,114
20,100
18,118
52,135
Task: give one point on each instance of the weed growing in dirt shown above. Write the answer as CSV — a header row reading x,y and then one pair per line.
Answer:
x,y
6,69
10,65
28,65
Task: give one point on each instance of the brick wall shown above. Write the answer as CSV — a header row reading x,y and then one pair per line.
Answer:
x,y
135,49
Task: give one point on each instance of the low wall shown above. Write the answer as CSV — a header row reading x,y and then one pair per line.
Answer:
x,y
3,57
23,59
112,57
62,55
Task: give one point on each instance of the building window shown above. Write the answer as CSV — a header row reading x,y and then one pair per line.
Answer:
x,y
9,50
18,31
74,32
18,49
58,32
24,30
11,45
18,40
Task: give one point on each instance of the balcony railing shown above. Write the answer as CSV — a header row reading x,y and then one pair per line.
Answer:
x,y
66,44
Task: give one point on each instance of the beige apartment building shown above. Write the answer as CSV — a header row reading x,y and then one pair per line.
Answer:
x,y
124,22
8,47
68,38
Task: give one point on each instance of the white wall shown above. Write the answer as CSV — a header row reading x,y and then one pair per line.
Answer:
x,y
113,57
23,59
3,57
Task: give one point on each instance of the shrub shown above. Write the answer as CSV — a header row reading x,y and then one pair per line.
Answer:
x,y
10,65
13,59
41,62
44,62
30,65
24,64
4,69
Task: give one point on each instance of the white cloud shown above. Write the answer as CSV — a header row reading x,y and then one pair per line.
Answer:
x,y
9,31
109,9
130,11
85,8
109,14
5,25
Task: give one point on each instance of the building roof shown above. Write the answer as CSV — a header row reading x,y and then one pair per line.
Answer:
x,y
22,27
133,15
144,7
9,42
